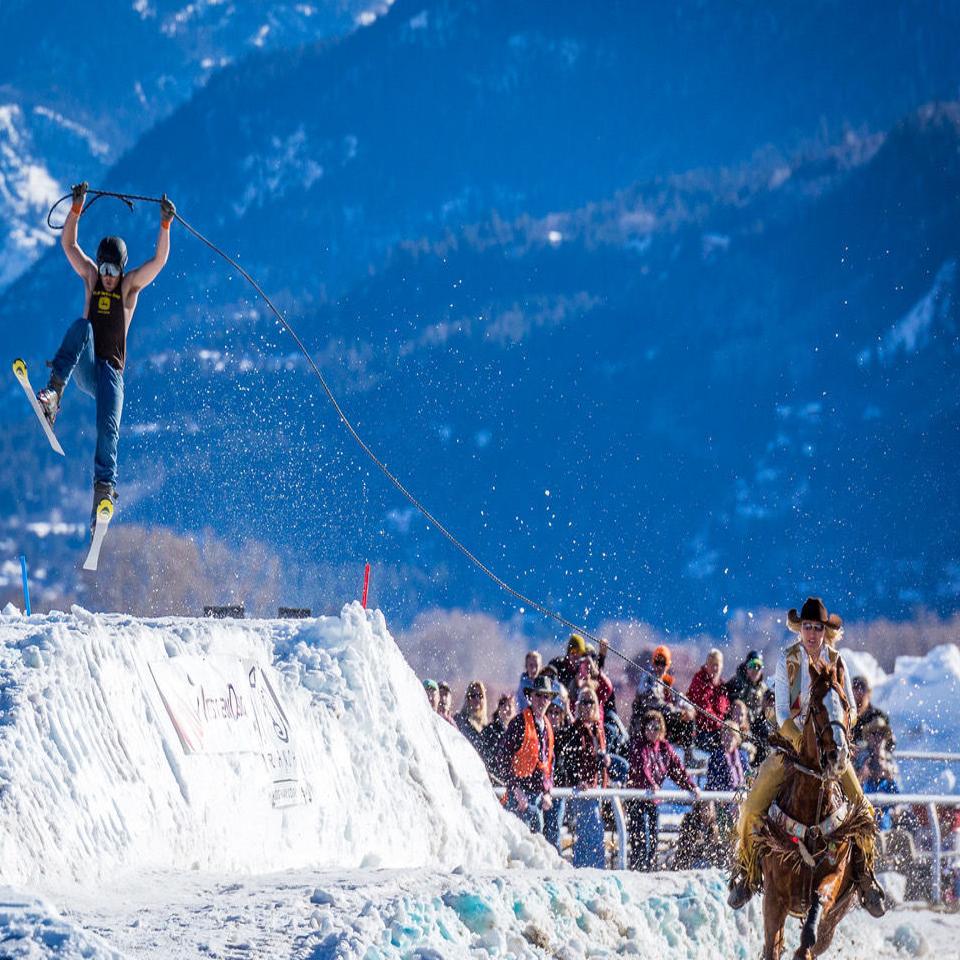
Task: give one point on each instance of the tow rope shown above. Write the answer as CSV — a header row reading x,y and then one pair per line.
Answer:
x,y
130,198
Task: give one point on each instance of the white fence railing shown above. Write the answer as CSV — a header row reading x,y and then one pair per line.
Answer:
x,y
927,755
682,797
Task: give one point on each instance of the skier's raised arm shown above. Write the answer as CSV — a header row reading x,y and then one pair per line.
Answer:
x,y
145,274
81,263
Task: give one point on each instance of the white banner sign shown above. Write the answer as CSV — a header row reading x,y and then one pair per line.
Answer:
x,y
222,704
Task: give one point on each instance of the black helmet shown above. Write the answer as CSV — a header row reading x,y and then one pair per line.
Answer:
x,y
112,250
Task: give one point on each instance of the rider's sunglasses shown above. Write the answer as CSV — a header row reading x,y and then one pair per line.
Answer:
x,y
110,270
816,627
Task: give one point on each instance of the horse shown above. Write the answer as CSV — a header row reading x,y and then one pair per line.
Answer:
x,y
806,843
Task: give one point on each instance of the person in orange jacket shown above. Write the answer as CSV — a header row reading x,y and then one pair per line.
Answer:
x,y
527,747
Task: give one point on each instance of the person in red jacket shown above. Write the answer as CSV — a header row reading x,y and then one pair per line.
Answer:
x,y
527,747
709,692
652,760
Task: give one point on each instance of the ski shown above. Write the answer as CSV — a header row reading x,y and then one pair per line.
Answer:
x,y
20,372
104,516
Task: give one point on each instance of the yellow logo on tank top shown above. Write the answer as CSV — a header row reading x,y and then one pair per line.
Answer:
x,y
103,303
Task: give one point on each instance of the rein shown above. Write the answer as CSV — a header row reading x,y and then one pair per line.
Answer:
x,y
809,859
790,757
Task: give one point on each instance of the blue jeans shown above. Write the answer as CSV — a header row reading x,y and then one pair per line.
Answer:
x,y
97,379
618,769
533,815
553,821
643,824
588,841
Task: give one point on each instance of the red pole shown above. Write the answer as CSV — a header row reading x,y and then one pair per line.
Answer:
x,y
366,584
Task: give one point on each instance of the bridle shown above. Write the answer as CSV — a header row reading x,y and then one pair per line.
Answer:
x,y
819,729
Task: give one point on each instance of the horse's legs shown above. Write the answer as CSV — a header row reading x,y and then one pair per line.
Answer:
x,y
831,920
774,916
808,935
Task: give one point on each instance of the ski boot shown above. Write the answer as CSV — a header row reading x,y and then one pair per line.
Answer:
x,y
872,897
101,491
49,398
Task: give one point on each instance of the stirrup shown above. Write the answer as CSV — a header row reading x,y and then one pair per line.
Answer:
x,y
740,892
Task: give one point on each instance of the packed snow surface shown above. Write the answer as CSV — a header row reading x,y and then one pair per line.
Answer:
x,y
219,789
424,915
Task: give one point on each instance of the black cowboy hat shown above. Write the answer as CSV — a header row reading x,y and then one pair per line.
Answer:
x,y
815,611
542,684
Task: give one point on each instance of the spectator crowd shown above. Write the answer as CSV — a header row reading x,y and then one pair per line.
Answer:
x,y
563,727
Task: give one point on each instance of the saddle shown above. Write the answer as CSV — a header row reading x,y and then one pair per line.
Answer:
x,y
810,839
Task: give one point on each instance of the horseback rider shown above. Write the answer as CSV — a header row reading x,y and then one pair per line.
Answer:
x,y
94,347
818,632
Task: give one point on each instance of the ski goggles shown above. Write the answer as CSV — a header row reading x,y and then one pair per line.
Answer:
x,y
110,270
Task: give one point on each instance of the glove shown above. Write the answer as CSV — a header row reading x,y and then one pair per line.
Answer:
x,y
167,209
79,191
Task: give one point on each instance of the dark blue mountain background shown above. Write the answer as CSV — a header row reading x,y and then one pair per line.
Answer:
x,y
80,85
634,390
316,161
118,68
737,404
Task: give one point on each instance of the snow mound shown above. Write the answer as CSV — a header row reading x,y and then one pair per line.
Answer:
x,y
923,693
922,696
31,929
231,746
588,913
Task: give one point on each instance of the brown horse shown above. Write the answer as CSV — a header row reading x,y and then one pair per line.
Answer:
x,y
806,843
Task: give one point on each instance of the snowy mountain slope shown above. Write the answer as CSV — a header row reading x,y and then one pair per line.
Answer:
x,y
443,110
232,747
27,191
683,362
155,54
344,149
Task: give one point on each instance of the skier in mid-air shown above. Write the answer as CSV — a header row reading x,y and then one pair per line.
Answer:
x,y
94,348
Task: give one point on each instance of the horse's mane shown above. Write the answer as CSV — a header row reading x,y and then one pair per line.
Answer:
x,y
829,675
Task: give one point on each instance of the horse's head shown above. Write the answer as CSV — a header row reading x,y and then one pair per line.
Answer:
x,y
827,721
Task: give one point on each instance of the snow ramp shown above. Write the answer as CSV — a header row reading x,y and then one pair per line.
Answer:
x,y
230,746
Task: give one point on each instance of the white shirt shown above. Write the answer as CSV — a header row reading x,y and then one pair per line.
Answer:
x,y
782,686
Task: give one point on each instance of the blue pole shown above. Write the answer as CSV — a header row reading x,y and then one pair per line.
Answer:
x,y
26,586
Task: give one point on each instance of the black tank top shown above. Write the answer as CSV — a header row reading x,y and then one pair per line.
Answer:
x,y
109,326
